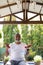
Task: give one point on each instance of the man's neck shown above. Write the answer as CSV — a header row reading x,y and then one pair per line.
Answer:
x,y
18,43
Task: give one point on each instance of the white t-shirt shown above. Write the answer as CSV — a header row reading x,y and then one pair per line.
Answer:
x,y
17,52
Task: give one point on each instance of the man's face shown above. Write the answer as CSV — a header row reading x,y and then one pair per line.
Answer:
x,y
17,37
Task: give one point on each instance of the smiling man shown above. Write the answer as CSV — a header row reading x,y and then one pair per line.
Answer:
x,y
17,51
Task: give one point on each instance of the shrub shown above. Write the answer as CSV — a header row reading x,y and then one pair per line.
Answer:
x,y
0,35
30,55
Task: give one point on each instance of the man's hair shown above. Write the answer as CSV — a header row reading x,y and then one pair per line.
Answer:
x,y
17,34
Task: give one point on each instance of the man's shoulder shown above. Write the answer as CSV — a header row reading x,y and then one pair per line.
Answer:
x,y
24,44
11,44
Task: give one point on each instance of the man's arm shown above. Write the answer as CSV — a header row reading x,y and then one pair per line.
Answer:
x,y
27,46
7,47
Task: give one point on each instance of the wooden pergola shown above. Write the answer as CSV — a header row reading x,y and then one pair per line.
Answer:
x,y
13,7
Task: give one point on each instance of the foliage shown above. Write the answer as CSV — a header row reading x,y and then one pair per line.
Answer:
x,y
0,35
30,55
6,58
9,32
24,33
40,51
2,52
34,35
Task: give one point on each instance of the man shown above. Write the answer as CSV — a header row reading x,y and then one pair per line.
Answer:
x,y
17,51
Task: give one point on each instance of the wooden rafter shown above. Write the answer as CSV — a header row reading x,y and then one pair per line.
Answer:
x,y
36,2
35,12
12,14
17,17
33,17
7,5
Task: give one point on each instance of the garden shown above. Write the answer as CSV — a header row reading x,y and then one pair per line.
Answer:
x,y
30,34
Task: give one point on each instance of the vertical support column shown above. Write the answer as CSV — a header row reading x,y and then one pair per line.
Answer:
x,y
25,9
25,6
10,17
23,14
40,18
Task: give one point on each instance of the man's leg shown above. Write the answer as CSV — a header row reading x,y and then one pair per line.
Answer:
x,y
13,62
22,63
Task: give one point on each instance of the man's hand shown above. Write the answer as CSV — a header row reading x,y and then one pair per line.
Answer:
x,y
7,45
28,46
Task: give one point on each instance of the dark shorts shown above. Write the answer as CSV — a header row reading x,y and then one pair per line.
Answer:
x,y
15,62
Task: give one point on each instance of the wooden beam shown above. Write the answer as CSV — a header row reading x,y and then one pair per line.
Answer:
x,y
25,11
10,17
7,5
35,12
21,22
11,14
17,17
41,9
40,18
32,1
24,15
36,2
33,17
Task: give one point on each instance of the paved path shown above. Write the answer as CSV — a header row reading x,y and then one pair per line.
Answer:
x,y
32,63
28,63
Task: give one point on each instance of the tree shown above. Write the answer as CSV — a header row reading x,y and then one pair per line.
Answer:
x,y
25,33
34,35
0,35
9,32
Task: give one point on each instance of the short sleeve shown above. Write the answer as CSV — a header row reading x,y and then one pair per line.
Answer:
x,y
25,48
25,45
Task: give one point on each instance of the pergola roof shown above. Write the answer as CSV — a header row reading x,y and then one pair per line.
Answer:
x,y
10,7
